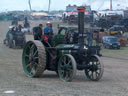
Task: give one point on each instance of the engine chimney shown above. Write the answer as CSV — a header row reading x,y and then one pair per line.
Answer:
x,y
81,12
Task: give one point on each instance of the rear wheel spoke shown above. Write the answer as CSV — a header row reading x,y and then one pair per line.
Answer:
x,y
35,53
27,56
36,58
28,65
32,46
36,64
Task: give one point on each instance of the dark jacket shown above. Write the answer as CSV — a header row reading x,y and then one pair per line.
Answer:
x,y
48,31
37,31
26,25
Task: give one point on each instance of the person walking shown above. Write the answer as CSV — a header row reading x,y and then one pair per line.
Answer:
x,y
26,23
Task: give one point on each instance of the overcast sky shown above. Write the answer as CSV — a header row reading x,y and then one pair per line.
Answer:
x,y
8,5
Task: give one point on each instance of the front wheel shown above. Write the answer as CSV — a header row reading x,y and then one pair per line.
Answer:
x,y
67,68
95,68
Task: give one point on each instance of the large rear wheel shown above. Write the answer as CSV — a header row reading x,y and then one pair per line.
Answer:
x,y
34,58
67,68
95,68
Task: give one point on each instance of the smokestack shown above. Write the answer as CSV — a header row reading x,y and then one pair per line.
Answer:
x,y
110,5
81,12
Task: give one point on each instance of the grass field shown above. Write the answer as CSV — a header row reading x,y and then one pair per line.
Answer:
x,y
121,53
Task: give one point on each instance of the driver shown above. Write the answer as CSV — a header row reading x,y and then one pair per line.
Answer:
x,y
48,29
49,32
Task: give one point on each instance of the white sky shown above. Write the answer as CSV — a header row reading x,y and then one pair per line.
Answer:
x,y
8,5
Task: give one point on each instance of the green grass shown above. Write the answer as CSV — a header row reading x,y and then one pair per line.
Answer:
x,y
123,52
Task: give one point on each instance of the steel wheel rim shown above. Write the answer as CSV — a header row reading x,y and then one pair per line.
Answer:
x,y
95,70
66,68
30,59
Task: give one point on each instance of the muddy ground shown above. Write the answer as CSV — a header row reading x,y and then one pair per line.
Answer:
x,y
13,81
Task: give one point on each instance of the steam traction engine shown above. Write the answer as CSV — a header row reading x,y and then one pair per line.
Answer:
x,y
63,56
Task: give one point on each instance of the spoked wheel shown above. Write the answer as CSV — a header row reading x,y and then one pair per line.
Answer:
x,y
95,68
67,68
34,58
